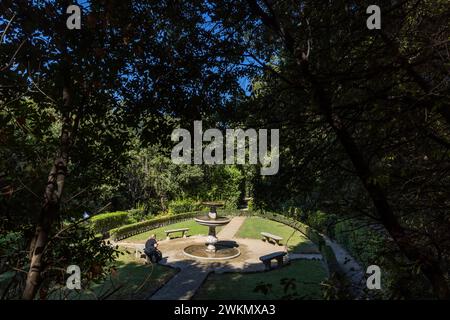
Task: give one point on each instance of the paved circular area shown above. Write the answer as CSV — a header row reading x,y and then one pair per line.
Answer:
x,y
193,271
248,260
251,250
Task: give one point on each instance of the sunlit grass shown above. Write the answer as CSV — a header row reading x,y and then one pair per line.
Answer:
x,y
304,278
297,242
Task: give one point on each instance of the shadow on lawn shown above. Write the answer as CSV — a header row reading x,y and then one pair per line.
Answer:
x,y
228,280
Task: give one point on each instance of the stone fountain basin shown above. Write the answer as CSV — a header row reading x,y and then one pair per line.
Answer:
x,y
209,222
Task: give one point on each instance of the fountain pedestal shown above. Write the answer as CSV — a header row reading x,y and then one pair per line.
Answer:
x,y
211,240
213,250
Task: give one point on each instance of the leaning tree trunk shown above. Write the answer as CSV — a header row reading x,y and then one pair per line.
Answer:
x,y
49,212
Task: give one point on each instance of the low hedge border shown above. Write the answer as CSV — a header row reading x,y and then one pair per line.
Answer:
x,y
129,230
104,222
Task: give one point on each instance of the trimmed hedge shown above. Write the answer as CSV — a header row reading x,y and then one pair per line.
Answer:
x,y
129,230
104,222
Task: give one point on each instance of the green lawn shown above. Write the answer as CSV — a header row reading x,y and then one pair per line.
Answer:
x,y
194,229
297,242
132,280
304,277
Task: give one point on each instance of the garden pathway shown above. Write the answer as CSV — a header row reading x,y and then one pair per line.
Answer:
x,y
230,230
184,284
191,275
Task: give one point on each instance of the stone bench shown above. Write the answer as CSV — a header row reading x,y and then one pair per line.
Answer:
x,y
268,236
182,230
273,256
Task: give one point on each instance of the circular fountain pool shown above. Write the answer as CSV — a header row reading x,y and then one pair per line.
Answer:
x,y
223,252
213,249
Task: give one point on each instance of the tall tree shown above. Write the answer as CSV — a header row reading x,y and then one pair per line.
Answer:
x,y
140,64
362,100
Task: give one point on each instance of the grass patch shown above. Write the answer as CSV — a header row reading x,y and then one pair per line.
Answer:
x,y
132,280
298,243
194,229
303,276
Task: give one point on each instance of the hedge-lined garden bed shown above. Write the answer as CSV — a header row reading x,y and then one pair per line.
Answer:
x,y
129,230
104,222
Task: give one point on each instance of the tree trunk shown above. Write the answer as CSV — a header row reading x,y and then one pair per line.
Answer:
x,y
49,213
53,191
163,199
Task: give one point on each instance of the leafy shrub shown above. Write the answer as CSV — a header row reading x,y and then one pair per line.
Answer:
x,y
184,205
153,207
363,243
11,244
322,222
337,287
104,222
136,215
250,205
232,190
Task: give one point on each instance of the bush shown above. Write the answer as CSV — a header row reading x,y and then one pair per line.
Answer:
x,y
136,215
184,205
153,207
104,222
232,190
250,205
363,243
140,227
323,222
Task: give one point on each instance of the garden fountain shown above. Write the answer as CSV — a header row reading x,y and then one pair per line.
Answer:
x,y
213,248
